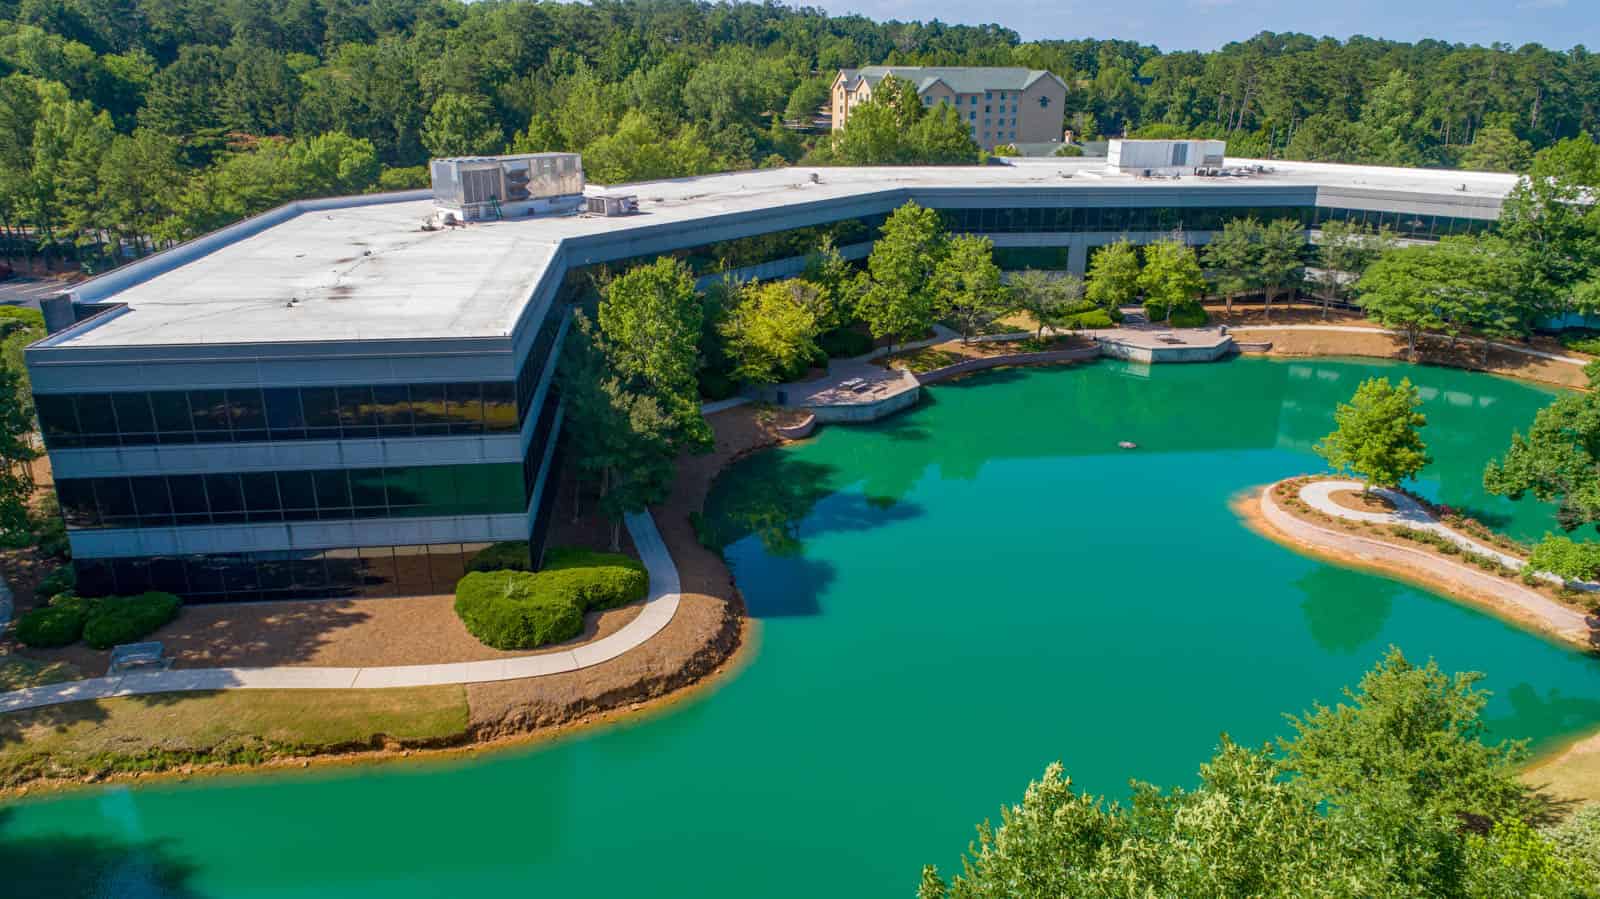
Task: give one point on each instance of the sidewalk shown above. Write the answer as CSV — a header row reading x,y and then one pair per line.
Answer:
x,y
659,608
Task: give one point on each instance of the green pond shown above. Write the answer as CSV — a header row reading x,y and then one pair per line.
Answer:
x,y
948,601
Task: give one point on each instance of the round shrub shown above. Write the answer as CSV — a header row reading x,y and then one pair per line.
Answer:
x,y
522,610
506,610
716,385
1155,311
52,625
1188,317
1094,318
61,580
512,555
128,619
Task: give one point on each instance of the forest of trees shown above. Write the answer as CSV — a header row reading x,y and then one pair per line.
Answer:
x,y
128,124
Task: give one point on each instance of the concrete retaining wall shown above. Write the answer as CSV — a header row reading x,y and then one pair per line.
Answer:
x,y
867,411
1075,354
800,431
1118,350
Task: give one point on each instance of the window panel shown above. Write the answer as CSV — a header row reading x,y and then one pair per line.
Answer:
x,y
261,496
366,490
115,499
391,406
76,497
226,498
209,411
284,419
321,405
151,498
134,419
247,409
299,495
95,415
58,418
464,408
205,576
333,493
500,407
188,493
428,409
273,571
171,408
355,413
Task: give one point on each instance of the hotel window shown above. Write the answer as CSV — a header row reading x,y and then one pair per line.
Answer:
x,y
927,101
986,108
972,116
988,95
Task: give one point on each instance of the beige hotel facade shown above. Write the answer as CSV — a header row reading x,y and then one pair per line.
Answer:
x,y
998,105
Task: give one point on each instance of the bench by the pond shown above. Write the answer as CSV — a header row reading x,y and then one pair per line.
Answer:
x,y
138,657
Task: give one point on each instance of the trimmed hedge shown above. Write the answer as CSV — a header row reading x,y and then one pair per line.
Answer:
x,y
128,619
522,610
512,555
1094,318
507,610
1189,317
58,624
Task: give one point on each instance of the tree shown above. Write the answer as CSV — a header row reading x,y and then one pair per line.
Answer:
x,y
1375,436
1567,558
16,451
637,151
1045,297
1557,461
1497,149
771,332
1233,259
1378,797
1171,280
1346,249
969,285
650,317
1279,267
461,125
901,301
1113,278
839,285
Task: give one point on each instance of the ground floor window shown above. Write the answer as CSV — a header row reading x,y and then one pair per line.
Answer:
x,y
367,571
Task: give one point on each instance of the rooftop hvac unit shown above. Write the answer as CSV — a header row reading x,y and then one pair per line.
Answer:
x,y
476,188
613,204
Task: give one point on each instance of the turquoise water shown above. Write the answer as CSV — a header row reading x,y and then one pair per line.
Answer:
x,y
948,602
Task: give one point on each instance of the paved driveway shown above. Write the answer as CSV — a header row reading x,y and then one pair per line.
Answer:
x,y
23,291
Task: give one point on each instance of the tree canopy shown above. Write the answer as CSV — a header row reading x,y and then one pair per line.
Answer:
x,y
1376,435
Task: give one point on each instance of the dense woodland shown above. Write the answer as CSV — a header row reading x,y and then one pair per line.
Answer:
x,y
128,124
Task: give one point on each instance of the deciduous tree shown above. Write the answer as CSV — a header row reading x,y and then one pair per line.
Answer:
x,y
1113,278
771,332
1376,435
901,301
969,285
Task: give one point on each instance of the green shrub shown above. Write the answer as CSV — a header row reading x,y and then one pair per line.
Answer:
x,y
57,624
512,555
61,580
845,343
523,610
601,580
1582,341
507,610
1189,317
1563,556
1155,311
128,619
1095,318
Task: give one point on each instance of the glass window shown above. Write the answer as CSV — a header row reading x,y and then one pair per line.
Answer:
x,y
283,413
310,573
205,576
428,409
273,571
465,408
151,498
209,411
391,405
411,569
333,493
299,494
366,492
134,418
321,405
261,496
58,418
226,498
115,498
378,572
167,574
95,415
248,411
500,407
355,413
171,408
76,496
188,493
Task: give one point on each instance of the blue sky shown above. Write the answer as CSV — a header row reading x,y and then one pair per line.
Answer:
x,y
1207,24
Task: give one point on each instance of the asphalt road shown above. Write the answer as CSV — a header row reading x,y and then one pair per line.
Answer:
x,y
22,291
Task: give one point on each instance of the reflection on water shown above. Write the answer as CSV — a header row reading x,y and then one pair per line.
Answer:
x,y
1345,611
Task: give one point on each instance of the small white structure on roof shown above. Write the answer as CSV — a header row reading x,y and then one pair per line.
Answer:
x,y
479,188
1163,157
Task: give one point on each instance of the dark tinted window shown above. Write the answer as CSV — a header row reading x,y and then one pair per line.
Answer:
x,y
133,412
249,415
321,406
95,415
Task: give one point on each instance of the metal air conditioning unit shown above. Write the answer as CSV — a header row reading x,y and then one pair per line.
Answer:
x,y
613,204
485,188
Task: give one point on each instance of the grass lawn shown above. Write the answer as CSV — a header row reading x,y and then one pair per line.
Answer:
x,y
17,672
154,733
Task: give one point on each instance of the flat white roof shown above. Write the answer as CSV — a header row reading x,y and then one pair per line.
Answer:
x,y
365,269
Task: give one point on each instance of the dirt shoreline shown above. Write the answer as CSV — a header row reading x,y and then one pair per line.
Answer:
x,y
1246,505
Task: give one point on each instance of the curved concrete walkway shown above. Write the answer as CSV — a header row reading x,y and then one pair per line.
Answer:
x,y
1550,615
659,607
